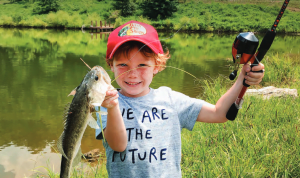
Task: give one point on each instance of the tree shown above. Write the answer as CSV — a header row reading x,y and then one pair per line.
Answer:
x,y
126,7
45,6
159,9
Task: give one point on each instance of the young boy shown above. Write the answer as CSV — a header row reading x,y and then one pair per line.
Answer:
x,y
143,125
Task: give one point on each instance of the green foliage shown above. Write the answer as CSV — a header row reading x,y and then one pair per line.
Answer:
x,y
194,23
14,0
45,6
164,15
118,22
7,21
168,24
159,9
35,22
183,23
75,21
263,140
93,17
54,19
144,20
126,7
280,70
17,17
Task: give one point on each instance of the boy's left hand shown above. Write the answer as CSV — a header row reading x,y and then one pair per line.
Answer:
x,y
252,77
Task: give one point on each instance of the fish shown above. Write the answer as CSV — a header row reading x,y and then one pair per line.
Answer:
x,y
90,93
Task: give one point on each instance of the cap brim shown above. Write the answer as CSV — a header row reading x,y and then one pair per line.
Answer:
x,y
155,50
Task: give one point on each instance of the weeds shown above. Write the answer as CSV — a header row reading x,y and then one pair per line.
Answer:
x,y
263,140
194,15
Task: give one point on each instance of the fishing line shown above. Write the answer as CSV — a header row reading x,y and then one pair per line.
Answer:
x,y
156,66
164,38
86,64
148,44
161,40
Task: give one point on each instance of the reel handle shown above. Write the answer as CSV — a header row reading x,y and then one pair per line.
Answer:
x,y
233,75
262,50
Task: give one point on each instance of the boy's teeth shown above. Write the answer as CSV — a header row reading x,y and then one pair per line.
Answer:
x,y
132,83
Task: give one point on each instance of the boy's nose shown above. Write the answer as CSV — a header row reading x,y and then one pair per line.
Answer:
x,y
133,72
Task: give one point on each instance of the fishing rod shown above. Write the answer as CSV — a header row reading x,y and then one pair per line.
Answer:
x,y
243,51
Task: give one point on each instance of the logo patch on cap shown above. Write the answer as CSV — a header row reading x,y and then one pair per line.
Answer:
x,y
132,29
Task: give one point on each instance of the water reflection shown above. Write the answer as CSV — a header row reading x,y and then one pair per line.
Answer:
x,y
39,68
101,35
6,174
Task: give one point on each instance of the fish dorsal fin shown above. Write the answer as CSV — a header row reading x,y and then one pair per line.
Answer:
x,y
77,158
92,122
60,145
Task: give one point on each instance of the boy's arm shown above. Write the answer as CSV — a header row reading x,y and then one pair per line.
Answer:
x,y
115,131
217,113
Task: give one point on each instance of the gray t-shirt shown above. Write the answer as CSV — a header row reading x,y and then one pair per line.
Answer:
x,y
153,123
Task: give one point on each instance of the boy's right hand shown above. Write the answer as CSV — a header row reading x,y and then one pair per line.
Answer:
x,y
111,98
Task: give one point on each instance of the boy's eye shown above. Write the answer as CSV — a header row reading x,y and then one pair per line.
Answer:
x,y
122,65
142,65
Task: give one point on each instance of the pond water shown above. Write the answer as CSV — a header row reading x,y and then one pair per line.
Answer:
x,y
39,68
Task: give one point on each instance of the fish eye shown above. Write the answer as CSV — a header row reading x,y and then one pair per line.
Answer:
x,y
96,78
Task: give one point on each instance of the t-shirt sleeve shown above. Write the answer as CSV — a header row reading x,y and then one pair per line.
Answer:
x,y
99,134
187,109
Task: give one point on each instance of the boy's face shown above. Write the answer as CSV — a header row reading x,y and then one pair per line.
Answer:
x,y
134,83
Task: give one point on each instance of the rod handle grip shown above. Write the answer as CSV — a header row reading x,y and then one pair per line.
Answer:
x,y
260,71
232,112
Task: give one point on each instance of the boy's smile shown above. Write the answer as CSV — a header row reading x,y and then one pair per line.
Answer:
x,y
135,73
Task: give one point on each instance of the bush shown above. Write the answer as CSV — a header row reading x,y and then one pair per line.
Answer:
x,y
36,22
93,18
118,22
159,8
24,23
168,24
75,21
45,6
126,7
5,20
194,23
183,23
56,20
17,18
144,20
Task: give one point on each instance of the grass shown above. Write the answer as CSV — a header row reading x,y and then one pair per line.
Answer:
x,y
97,170
262,142
193,15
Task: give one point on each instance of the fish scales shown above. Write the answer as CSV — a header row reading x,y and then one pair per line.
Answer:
x,y
90,93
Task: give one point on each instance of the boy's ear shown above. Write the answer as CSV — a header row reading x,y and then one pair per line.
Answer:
x,y
112,68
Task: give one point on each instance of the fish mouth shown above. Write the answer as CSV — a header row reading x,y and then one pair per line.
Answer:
x,y
132,83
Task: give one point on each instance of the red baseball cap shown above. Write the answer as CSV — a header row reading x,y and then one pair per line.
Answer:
x,y
133,31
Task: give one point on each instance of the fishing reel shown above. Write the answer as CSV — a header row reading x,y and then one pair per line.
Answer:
x,y
243,50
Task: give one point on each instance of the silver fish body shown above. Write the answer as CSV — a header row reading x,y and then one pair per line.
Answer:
x,y
90,93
